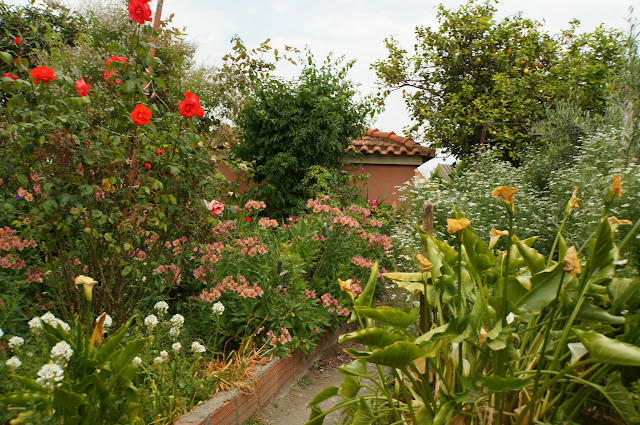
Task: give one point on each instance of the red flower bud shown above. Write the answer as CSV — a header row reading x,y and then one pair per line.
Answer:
x,y
146,164
160,151
17,40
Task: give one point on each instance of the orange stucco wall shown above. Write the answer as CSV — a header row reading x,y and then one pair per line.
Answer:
x,y
383,180
380,186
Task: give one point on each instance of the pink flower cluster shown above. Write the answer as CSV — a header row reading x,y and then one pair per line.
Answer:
x,y
310,294
364,211
9,240
255,205
374,223
317,237
285,337
266,222
376,239
175,270
34,276
212,252
347,221
331,303
24,194
251,246
241,286
224,227
317,206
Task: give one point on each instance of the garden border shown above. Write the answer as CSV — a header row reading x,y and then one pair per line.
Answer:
x,y
236,407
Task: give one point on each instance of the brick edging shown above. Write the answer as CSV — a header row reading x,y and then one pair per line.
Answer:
x,y
236,408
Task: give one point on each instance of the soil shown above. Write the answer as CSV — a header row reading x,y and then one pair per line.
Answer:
x,y
290,406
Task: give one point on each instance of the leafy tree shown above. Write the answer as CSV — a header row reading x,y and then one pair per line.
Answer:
x,y
290,128
474,70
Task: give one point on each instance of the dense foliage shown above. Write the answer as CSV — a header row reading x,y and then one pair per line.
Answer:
x,y
475,80
292,128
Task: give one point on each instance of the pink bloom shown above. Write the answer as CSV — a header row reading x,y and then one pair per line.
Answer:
x,y
216,207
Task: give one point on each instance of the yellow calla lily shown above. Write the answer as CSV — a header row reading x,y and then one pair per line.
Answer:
x,y
494,235
615,223
87,284
425,263
454,225
616,186
571,262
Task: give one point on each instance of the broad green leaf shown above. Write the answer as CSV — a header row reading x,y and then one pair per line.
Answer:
x,y
323,395
596,314
6,57
621,291
609,351
535,260
544,287
377,337
110,345
404,277
620,398
398,354
493,384
355,368
366,297
603,250
350,386
122,358
444,413
364,415
389,315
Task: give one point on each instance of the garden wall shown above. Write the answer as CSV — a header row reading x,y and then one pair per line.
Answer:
x,y
236,407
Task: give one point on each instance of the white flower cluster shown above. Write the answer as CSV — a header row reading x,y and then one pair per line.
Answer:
x,y
35,324
162,307
13,362
1,332
176,347
218,308
162,357
15,342
50,374
196,347
177,321
151,321
136,361
61,353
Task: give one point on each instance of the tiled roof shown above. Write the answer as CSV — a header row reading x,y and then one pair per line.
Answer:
x,y
376,141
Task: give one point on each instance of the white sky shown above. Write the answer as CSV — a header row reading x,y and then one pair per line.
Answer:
x,y
355,28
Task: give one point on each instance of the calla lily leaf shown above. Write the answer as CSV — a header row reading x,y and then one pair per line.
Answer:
x,y
377,337
398,354
607,350
389,315
494,384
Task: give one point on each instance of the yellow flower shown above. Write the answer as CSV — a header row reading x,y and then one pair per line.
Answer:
x,y
425,263
616,186
615,223
494,235
573,202
87,284
571,262
505,192
454,225
346,286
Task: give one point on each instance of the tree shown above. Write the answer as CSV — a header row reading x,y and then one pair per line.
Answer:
x,y
290,128
474,70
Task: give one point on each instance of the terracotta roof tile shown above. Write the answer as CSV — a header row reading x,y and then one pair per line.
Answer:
x,y
388,143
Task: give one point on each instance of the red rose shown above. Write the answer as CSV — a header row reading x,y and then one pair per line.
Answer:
x,y
146,164
139,11
42,73
108,72
160,151
190,106
82,88
248,219
17,40
141,115
10,76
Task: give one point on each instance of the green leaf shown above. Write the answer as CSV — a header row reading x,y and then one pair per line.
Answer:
x,y
609,351
535,261
377,337
444,413
122,358
494,384
389,315
6,57
355,368
126,270
16,101
110,345
544,287
620,398
364,415
323,395
366,297
398,354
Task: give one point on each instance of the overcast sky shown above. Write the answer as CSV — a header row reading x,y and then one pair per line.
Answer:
x,y
355,28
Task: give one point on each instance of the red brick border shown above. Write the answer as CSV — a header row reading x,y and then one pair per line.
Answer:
x,y
236,408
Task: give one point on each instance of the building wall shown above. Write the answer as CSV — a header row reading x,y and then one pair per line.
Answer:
x,y
384,179
381,185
